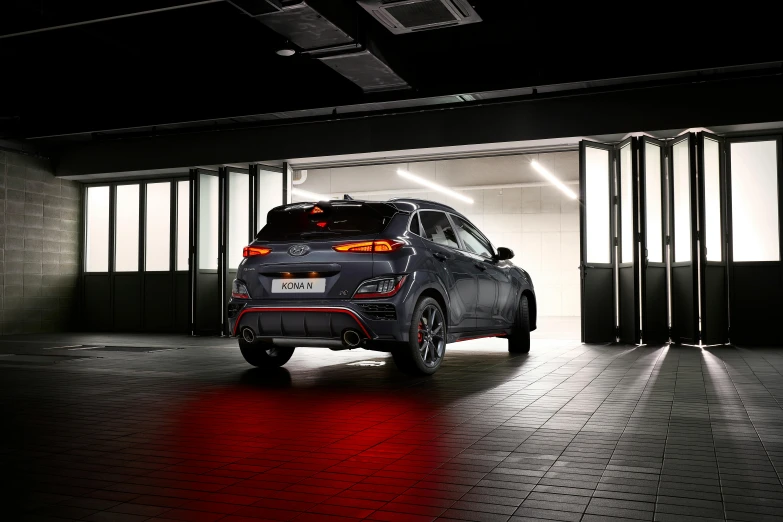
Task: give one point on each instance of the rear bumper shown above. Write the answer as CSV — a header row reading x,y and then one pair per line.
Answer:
x,y
317,320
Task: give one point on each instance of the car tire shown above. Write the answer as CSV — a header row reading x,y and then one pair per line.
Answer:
x,y
426,346
519,340
265,355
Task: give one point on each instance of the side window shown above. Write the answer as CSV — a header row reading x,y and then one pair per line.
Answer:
x,y
414,228
437,228
472,238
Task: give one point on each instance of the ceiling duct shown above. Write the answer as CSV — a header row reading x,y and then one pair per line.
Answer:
x,y
323,40
303,25
407,16
363,66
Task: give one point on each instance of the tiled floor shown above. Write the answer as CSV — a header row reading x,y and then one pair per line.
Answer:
x,y
183,429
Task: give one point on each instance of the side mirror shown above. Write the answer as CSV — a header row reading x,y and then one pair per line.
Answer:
x,y
505,253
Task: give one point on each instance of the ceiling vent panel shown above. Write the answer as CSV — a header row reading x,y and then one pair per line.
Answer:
x,y
366,70
305,27
407,16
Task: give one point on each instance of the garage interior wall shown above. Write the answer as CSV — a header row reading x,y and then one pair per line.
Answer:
x,y
539,223
40,230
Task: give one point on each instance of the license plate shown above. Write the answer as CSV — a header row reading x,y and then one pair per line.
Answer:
x,y
299,286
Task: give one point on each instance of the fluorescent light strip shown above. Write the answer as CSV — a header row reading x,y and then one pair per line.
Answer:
x,y
310,195
434,186
553,180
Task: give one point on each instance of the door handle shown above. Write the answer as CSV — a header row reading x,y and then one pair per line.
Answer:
x,y
440,255
480,266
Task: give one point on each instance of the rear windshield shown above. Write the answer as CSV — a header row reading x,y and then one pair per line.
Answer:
x,y
330,220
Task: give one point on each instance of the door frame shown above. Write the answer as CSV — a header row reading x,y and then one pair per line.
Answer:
x,y
677,326
644,239
756,335
583,263
195,187
633,143
707,331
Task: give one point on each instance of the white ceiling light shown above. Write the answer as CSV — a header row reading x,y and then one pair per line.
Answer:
x,y
312,196
434,186
285,52
553,180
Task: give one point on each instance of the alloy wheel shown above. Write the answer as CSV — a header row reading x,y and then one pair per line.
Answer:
x,y
431,336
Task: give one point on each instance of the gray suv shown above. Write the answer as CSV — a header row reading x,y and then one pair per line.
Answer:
x,y
405,276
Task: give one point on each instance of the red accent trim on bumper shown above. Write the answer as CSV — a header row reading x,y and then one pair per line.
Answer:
x,y
302,309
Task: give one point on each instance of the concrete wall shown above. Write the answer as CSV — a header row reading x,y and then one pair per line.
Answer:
x,y
40,238
540,224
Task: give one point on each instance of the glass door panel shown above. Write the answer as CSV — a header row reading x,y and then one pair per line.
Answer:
x,y
238,228
96,257
183,226
712,299
207,307
681,193
653,271
238,217
683,220
754,201
269,194
627,271
126,245
157,232
754,213
597,250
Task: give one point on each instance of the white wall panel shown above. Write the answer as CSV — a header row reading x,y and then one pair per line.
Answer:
x,y
539,224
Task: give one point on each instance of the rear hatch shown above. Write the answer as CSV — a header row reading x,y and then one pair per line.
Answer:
x,y
302,263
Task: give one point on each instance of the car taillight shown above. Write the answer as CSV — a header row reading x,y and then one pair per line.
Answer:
x,y
239,290
250,251
379,245
380,287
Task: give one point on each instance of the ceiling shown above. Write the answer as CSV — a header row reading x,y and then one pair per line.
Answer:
x,y
76,71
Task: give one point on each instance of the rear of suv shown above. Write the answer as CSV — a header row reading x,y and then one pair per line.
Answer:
x,y
403,276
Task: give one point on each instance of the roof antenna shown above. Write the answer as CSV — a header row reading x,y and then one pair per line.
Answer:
x,y
347,197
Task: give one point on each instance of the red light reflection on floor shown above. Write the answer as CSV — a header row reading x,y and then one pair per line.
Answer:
x,y
304,453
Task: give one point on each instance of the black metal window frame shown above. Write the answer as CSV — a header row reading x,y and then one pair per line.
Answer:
x,y
142,222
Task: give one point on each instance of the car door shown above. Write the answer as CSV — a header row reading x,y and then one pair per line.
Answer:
x,y
495,286
453,267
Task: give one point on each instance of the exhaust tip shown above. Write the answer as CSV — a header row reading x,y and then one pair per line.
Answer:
x,y
351,338
248,334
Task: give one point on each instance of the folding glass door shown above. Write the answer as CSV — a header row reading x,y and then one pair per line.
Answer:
x,y
713,275
134,277
206,241
597,224
684,250
238,228
231,203
698,215
653,229
635,217
754,253
628,273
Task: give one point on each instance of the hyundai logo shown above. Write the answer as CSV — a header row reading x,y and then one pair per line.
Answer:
x,y
299,250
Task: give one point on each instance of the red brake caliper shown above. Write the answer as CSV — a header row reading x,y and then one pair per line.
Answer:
x,y
420,336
